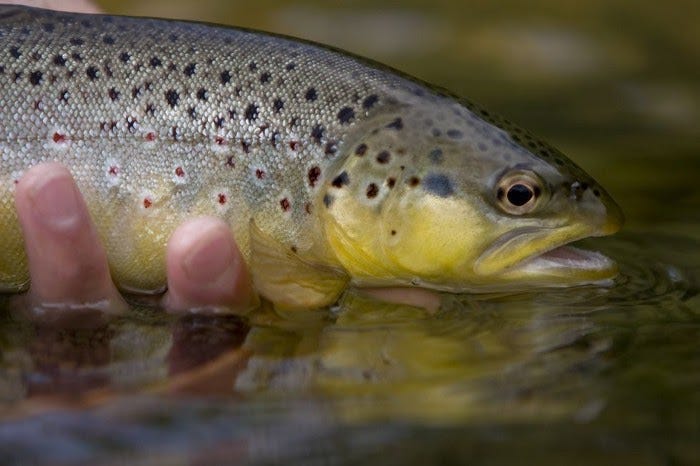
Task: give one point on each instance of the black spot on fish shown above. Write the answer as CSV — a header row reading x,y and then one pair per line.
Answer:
x,y
14,51
327,200
251,113
436,155
48,27
76,56
346,115
124,57
370,101
190,69
35,78
92,73
192,112
438,184
172,97
314,174
372,190
156,62
135,92
113,94
317,133
311,94
109,40
390,182
383,157
131,124
278,105
150,109
265,78
77,41
225,77
290,66
252,66
397,124
64,96
361,149
413,181
202,94
454,133
245,145
331,148
341,180
219,121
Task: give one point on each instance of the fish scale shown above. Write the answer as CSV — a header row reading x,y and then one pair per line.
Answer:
x,y
161,120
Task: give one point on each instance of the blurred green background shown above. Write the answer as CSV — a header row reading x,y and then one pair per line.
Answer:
x,y
613,83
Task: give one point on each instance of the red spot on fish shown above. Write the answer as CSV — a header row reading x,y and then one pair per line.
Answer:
x,y
147,202
113,170
307,207
259,174
58,137
284,203
150,136
294,145
222,198
180,172
219,140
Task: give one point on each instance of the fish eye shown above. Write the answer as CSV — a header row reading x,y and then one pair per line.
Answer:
x,y
517,193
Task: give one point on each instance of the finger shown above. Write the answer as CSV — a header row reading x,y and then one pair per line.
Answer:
x,y
67,263
206,270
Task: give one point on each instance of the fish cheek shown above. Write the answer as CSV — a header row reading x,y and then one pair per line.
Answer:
x,y
433,238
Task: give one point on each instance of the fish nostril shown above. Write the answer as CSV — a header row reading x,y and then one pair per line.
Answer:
x,y
576,191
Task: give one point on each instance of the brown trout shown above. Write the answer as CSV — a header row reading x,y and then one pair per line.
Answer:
x,y
331,170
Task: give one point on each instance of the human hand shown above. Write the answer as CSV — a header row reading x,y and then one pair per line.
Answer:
x,y
68,264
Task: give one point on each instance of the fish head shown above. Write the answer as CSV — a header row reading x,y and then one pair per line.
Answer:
x,y
445,197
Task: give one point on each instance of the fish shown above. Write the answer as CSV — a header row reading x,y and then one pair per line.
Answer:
x,y
333,171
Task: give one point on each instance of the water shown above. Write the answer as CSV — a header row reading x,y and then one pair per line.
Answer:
x,y
593,375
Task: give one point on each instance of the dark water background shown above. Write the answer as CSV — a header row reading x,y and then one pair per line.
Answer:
x,y
578,376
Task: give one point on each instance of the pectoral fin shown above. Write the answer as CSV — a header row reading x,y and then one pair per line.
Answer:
x,y
281,276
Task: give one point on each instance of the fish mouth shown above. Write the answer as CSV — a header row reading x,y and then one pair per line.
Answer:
x,y
566,263
546,257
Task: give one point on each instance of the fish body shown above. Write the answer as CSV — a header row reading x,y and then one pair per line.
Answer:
x,y
329,168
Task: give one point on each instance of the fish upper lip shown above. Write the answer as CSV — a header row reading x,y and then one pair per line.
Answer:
x,y
494,250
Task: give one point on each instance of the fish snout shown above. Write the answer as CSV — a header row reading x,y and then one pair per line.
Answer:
x,y
595,202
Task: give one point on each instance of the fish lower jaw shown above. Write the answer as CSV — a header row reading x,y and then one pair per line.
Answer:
x,y
564,266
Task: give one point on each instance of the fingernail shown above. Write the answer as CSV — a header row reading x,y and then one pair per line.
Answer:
x,y
210,258
55,201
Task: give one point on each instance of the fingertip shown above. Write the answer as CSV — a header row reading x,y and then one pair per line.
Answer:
x,y
67,263
206,269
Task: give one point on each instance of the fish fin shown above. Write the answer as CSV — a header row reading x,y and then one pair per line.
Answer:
x,y
290,282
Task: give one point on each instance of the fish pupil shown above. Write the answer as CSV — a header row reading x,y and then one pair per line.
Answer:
x,y
519,194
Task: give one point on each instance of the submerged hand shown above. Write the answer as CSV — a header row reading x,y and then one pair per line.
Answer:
x,y
68,264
